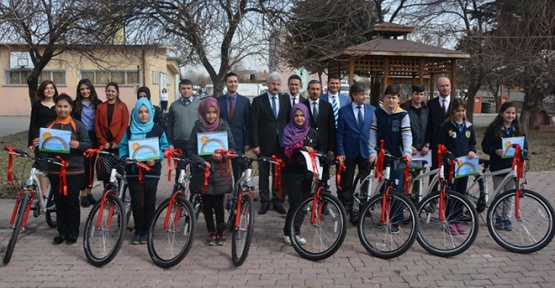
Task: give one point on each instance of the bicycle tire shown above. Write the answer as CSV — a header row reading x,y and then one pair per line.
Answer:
x,y
102,245
327,234
241,236
50,214
168,248
536,222
395,236
359,197
16,227
435,236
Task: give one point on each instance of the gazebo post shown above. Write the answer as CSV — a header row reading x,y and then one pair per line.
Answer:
x,y
453,77
421,70
385,75
431,89
351,70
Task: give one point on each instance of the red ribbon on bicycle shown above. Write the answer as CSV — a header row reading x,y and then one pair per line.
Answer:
x,y
406,173
518,162
63,176
277,175
169,154
340,169
89,153
142,166
206,176
11,152
440,151
378,173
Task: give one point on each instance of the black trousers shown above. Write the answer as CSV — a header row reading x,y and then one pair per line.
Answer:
x,y
213,204
345,194
143,202
68,211
297,185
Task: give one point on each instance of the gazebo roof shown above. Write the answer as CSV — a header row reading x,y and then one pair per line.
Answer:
x,y
398,48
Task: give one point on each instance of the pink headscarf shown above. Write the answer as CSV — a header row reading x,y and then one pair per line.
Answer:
x,y
203,107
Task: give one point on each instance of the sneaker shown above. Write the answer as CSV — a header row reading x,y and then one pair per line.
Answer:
x,y
144,238
71,240
287,240
453,229
460,228
211,241
220,238
136,240
85,201
500,224
508,225
300,239
59,239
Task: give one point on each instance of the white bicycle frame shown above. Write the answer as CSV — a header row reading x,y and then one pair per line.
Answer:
x,y
511,175
33,180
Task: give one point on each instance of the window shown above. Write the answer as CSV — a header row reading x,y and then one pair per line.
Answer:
x,y
100,77
19,77
155,77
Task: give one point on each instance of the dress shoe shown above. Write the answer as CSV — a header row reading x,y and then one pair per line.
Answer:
x,y
71,240
59,239
279,209
264,209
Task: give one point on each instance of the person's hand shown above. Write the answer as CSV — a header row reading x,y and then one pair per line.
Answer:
x,y
32,148
207,164
256,150
424,150
500,152
171,147
308,149
471,154
74,144
342,158
414,151
331,154
150,162
372,159
115,146
409,159
246,148
217,156
107,146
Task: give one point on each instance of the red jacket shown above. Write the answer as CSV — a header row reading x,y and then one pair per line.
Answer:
x,y
120,121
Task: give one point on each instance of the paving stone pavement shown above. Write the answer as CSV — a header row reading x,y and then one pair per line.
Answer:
x,y
38,263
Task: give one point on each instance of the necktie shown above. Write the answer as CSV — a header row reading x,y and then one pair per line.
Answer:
x,y
274,108
444,106
293,102
360,120
315,111
335,109
231,108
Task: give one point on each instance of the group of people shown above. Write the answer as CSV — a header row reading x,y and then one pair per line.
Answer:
x,y
274,124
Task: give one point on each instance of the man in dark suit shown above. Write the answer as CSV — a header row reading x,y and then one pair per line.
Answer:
x,y
235,110
336,99
269,115
438,110
295,83
321,119
353,140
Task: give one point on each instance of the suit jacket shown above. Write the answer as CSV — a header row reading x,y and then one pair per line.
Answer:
x,y
353,141
266,130
324,125
343,99
240,124
300,99
436,118
120,121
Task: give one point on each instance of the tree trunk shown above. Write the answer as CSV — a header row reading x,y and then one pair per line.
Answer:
x,y
473,88
531,105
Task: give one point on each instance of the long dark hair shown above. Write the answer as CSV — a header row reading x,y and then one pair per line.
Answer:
x,y
77,106
116,86
497,123
42,87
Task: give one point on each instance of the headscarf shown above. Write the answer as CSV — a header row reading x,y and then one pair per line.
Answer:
x,y
144,89
293,134
139,129
203,107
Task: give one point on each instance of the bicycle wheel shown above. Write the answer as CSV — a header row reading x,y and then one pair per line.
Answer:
x,y
453,235
102,243
325,233
361,192
532,232
168,246
16,226
50,215
242,235
396,234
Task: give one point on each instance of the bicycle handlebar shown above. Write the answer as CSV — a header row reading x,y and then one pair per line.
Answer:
x,y
21,153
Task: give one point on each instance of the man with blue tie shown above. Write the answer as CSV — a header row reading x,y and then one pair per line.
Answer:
x,y
235,110
353,139
269,115
336,99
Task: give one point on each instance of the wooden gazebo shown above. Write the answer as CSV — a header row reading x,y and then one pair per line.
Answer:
x,y
388,57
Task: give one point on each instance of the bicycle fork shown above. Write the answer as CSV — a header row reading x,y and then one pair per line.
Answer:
x,y
27,209
101,214
169,213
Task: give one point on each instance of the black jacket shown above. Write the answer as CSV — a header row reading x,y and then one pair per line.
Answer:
x,y
492,142
75,157
297,163
418,123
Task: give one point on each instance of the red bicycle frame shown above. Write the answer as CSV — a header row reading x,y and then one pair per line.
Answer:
x,y
27,207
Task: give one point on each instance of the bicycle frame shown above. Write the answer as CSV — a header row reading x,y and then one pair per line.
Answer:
x,y
511,175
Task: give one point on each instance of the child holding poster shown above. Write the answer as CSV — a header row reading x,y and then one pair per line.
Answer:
x,y
143,190
66,181
458,136
503,126
219,182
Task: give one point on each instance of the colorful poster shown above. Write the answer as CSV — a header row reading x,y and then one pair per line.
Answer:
x,y
209,142
466,167
54,140
508,150
144,149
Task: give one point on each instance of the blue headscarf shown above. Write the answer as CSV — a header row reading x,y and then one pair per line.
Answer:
x,y
138,129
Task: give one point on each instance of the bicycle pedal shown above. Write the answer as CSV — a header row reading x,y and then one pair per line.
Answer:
x,y
36,210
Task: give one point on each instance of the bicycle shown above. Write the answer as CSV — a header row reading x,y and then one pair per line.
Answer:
x,y
327,219
388,226
106,223
532,213
439,210
26,196
172,229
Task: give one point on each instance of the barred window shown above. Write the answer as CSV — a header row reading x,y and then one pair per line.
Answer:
x,y
101,77
19,77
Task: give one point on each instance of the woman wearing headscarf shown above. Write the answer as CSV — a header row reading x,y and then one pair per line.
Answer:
x,y
297,136
218,181
144,92
143,189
